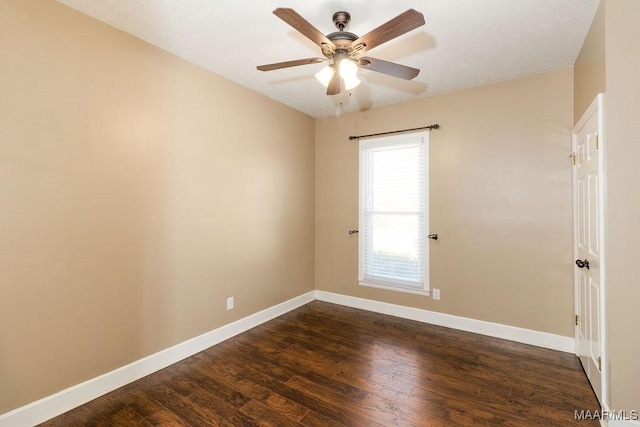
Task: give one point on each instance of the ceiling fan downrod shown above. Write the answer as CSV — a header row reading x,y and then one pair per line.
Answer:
x,y
341,20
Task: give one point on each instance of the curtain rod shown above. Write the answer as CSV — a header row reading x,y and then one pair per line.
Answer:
x,y
435,126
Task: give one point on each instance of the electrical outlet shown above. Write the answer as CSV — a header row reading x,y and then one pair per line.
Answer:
x,y
230,303
436,294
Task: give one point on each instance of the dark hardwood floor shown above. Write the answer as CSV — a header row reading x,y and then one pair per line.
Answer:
x,y
327,365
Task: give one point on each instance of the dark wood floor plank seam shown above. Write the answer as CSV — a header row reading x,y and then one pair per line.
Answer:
x,y
299,365
281,404
336,410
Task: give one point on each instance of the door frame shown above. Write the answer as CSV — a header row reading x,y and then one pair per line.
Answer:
x,y
596,107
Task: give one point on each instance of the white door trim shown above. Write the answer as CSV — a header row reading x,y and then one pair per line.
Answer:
x,y
597,107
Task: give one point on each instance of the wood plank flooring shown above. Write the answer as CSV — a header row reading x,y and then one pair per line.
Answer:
x,y
327,365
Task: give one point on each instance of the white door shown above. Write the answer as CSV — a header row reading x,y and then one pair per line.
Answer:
x,y
588,236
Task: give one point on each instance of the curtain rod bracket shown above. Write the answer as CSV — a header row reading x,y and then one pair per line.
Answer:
x,y
357,137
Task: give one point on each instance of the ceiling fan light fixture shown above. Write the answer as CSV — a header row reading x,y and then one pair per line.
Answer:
x,y
325,75
348,68
351,82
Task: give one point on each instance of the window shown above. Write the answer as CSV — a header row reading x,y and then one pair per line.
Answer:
x,y
394,219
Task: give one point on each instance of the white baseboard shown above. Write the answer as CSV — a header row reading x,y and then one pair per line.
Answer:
x,y
619,423
624,423
512,333
606,422
72,397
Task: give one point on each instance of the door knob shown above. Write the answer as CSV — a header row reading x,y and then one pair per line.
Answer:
x,y
582,264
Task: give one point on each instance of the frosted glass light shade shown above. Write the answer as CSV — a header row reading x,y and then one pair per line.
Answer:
x,y
351,82
348,68
325,75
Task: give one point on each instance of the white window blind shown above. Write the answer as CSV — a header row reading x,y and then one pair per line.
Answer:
x,y
393,212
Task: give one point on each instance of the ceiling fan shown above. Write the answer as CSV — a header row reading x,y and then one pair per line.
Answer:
x,y
343,49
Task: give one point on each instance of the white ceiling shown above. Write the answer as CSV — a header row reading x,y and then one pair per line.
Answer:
x,y
464,43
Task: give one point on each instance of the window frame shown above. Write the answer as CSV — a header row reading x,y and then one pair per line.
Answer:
x,y
387,141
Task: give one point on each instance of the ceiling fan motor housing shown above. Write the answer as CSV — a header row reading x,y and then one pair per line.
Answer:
x,y
342,39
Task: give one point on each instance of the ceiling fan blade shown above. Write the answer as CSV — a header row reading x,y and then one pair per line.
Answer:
x,y
292,18
390,68
401,24
335,84
288,64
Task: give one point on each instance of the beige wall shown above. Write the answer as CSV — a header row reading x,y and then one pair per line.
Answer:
x,y
137,192
589,69
500,201
615,37
623,150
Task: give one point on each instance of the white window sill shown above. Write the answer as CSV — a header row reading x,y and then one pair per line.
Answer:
x,y
415,291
